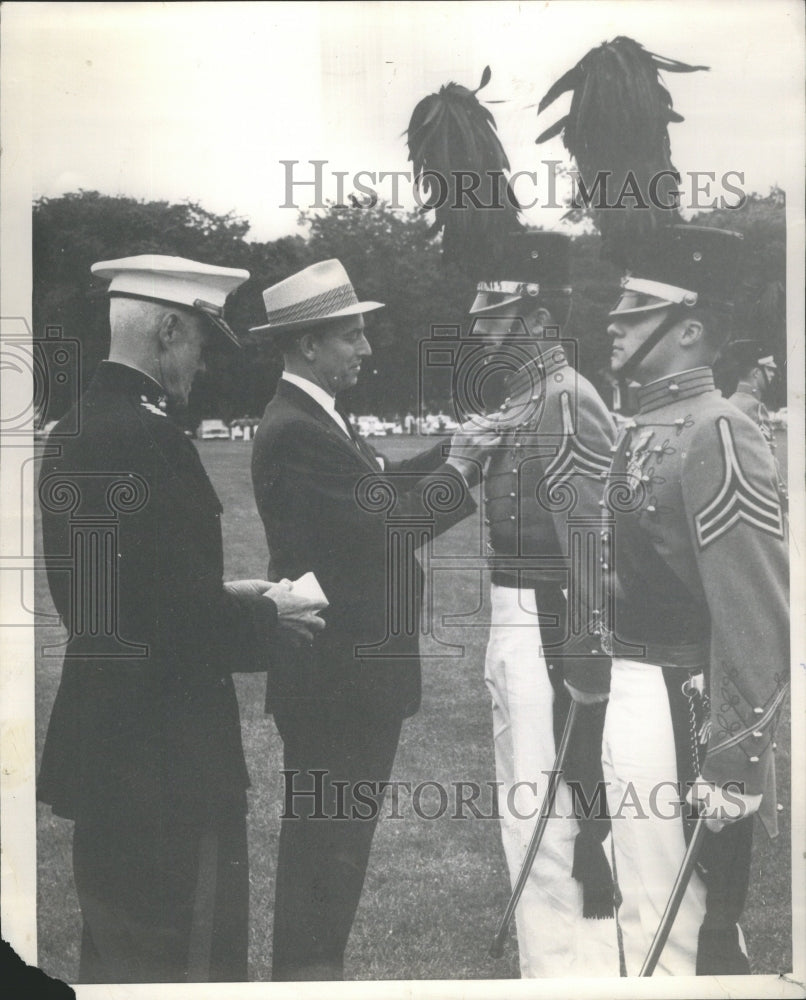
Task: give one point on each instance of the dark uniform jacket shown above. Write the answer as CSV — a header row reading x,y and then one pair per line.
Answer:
x,y
146,717
327,507
542,489
700,561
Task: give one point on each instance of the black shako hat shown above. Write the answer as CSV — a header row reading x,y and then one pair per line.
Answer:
x,y
529,264
684,265
746,354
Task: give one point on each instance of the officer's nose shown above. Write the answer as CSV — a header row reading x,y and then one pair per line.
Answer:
x,y
364,348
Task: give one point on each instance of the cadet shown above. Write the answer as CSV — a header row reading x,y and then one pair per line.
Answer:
x,y
697,618
757,373
542,486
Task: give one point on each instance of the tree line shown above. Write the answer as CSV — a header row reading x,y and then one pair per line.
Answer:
x,y
390,257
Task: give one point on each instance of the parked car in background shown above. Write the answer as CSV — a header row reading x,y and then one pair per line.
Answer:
x,y
369,425
212,430
438,423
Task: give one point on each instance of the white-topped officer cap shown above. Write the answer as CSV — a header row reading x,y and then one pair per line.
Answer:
x,y
175,281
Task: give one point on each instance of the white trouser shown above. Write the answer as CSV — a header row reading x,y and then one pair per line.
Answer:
x,y
554,939
640,768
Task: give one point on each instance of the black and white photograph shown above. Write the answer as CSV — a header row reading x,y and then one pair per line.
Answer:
x,y
402,472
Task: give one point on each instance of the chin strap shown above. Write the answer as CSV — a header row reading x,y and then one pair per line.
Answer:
x,y
628,368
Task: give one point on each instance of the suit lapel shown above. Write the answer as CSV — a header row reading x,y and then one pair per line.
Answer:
x,y
298,397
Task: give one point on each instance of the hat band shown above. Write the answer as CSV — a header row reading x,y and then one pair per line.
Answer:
x,y
671,293
316,307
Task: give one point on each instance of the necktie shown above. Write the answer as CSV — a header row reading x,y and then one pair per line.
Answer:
x,y
357,440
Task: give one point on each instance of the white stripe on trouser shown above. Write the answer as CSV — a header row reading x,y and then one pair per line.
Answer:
x,y
640,767
554,939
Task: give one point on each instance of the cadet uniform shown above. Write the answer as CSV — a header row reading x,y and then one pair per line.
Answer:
x,y
697,622
750,354
541,488
143,749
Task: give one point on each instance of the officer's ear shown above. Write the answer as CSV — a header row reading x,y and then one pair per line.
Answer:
x,y
167,329
692,333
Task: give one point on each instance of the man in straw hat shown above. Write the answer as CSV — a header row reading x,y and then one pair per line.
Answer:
x,y
699,641
324,495
143,750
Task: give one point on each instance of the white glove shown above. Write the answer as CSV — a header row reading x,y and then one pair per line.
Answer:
x,y
721,806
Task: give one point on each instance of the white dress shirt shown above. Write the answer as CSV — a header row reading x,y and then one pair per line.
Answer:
x,y
318,394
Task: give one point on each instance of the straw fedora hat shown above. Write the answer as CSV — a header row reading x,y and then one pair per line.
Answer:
x,y
314,295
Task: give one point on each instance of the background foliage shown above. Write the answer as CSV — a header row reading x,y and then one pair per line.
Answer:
x,y
389,257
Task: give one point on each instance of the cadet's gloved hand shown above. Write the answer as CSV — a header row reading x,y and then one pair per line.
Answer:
x,y
586,697
721,806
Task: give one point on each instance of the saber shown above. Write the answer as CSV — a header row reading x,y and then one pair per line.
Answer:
x,y
497,946
675,899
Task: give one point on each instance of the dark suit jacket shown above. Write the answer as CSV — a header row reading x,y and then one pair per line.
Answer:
x,y
327,507
142,734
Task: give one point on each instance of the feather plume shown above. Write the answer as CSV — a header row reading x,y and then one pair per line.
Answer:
x,y
449,132
618,124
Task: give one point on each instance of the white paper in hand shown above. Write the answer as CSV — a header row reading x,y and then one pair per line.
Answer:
x,y
308,586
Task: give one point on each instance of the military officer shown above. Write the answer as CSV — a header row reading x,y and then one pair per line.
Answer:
x,y
143,750
542,485
699,642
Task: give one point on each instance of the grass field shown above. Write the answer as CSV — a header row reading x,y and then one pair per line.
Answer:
x,y
435,889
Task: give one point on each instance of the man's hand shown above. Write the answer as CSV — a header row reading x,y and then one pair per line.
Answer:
x,y
586,697
294,611
470,444
248,588
721,806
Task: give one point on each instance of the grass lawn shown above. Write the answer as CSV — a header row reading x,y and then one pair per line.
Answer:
x,y
435,889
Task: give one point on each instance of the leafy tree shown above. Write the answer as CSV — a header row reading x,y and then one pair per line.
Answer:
x,y
390,258
74,231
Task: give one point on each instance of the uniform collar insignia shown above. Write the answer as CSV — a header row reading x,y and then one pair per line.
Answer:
x,y
670,388
148,392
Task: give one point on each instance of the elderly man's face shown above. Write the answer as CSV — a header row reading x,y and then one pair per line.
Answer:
x,y
338,353
183,358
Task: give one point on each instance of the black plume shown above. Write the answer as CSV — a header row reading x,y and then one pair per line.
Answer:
x,y
450,132
618,124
